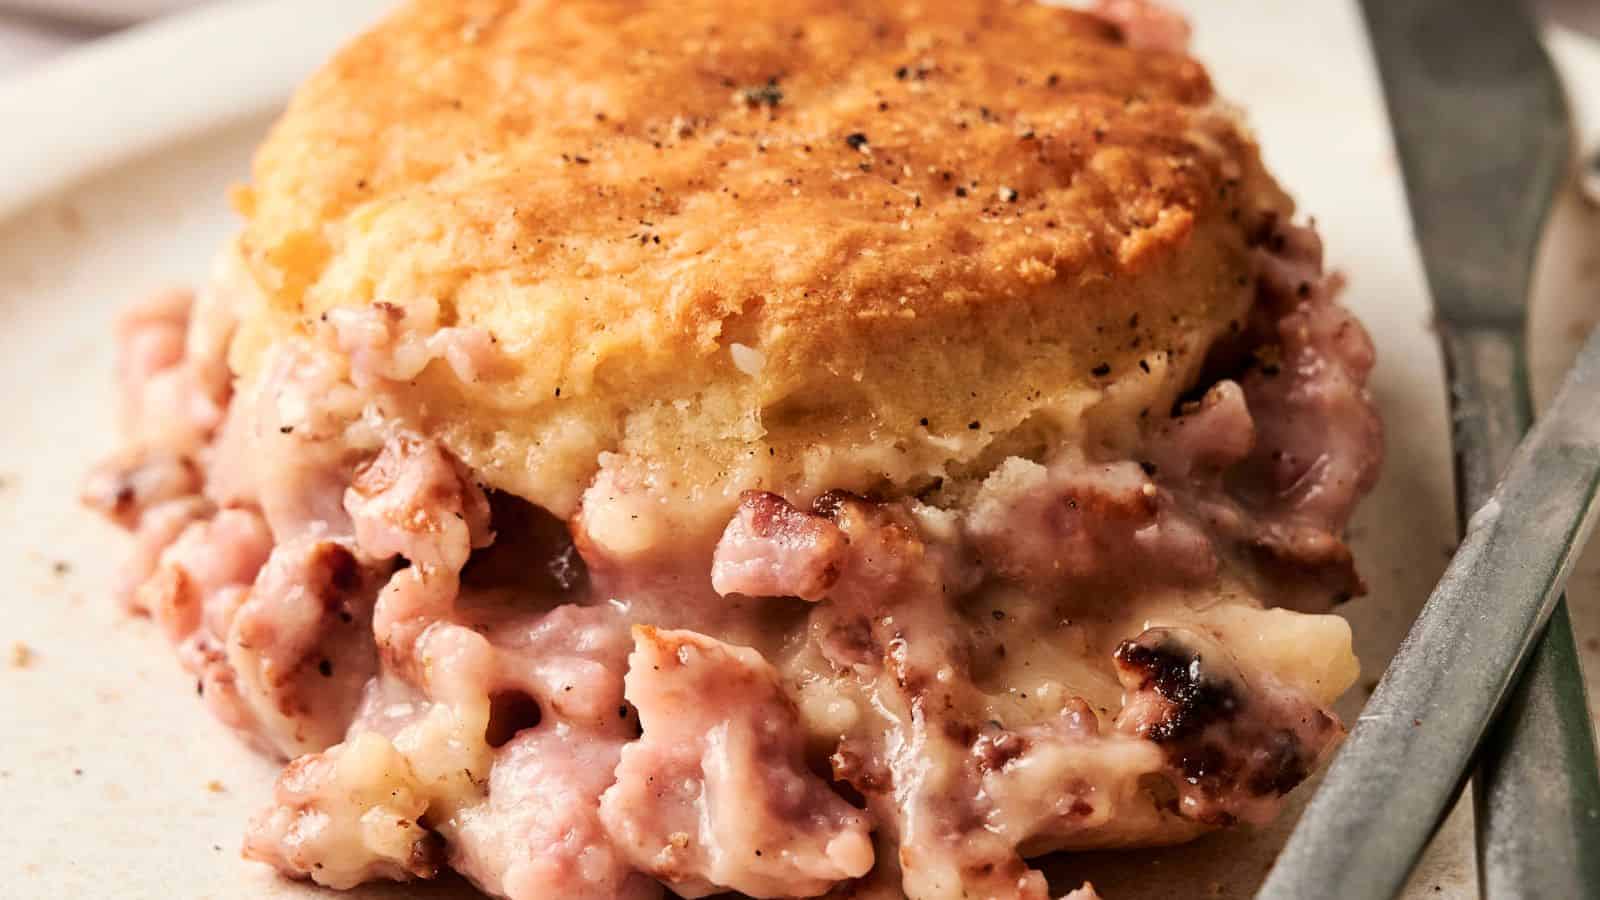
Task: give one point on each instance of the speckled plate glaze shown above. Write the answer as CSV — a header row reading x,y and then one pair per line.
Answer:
x,y
112,171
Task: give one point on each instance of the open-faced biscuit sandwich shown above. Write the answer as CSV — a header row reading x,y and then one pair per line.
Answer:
x,y
788,449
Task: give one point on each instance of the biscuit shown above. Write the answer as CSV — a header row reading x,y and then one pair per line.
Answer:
x,y
789,247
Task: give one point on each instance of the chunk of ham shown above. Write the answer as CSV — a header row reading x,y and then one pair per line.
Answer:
x,y
1067,784
196,589
413,501
538,834
300,644
130,484
158,527
1235,744
1274,458
277,636
771,549
1319,440
172,395
716,795
1209,437
1079,520
290,443
571,660
203,576
558,722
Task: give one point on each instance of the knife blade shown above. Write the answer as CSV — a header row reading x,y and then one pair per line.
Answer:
x,y
1481,129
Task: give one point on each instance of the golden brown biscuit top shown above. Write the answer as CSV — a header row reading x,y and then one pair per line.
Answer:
x,y
798,245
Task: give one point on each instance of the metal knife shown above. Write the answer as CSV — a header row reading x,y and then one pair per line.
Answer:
x,y
1482,132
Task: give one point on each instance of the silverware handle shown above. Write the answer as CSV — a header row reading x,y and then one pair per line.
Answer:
x,y
1537,787
1536,790
1491,406
1410,750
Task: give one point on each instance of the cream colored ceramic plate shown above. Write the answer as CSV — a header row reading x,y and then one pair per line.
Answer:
x,y
114,783
105,12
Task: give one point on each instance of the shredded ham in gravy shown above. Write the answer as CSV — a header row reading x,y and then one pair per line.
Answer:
x,y
847,697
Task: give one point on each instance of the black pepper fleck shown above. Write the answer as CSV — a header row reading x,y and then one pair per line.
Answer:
x,y
768,95
857,141
1101,370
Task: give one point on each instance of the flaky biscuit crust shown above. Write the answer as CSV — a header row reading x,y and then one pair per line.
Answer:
x,y
797,246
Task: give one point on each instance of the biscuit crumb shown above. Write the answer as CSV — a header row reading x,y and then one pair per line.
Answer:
x,y
21,655
215,786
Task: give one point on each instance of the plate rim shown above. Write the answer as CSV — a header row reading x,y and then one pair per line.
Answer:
x,y
97,15
168,80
